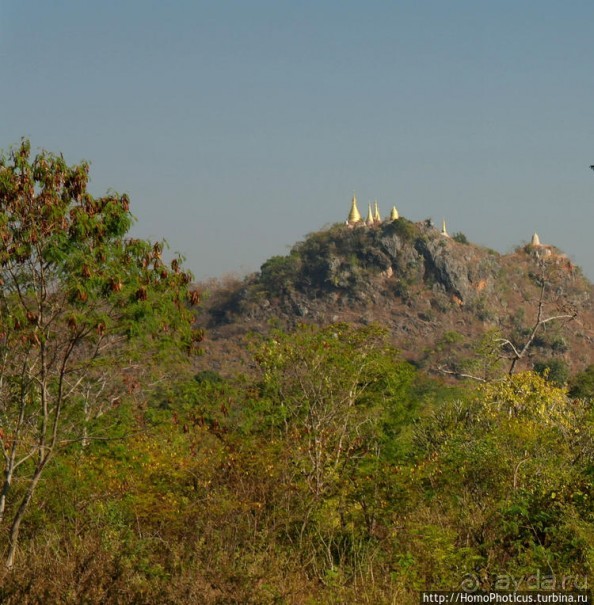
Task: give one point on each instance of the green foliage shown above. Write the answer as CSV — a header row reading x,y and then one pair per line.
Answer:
x,y
450,338
78,300
460,238
279,273
339,474
486,362
333,472
336,258
507,455
335,376
338,399
404,228
553,370
208,376
582,384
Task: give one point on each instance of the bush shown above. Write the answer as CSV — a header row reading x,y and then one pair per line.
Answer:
x,y
554,371
582,384
403,228
279,272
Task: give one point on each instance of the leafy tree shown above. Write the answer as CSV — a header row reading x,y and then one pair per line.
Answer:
x,y
337,399
507,472
330,386
82,308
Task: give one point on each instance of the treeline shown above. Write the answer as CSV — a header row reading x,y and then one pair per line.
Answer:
x,y
338,475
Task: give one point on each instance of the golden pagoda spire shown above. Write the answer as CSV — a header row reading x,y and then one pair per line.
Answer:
x,y
444,231
369,220
354,214
394,216
376,215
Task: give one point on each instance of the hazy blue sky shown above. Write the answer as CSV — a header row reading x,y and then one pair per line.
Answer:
x,y
239,127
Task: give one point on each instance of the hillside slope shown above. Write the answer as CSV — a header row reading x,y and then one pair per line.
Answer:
x,y
448,304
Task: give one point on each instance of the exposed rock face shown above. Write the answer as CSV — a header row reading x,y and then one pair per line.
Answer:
x,y
462,271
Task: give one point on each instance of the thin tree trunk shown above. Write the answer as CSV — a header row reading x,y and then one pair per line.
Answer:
x,y
10,458
5,489
13,536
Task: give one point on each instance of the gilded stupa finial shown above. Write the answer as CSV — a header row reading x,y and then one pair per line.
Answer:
x,y
354,214
394,216
376,214
444,231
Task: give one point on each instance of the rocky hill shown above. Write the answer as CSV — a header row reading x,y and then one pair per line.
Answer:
x,y
451,306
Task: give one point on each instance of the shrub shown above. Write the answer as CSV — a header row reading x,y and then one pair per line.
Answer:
x,y
554,371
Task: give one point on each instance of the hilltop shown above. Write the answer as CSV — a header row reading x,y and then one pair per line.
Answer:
x,y
441,298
